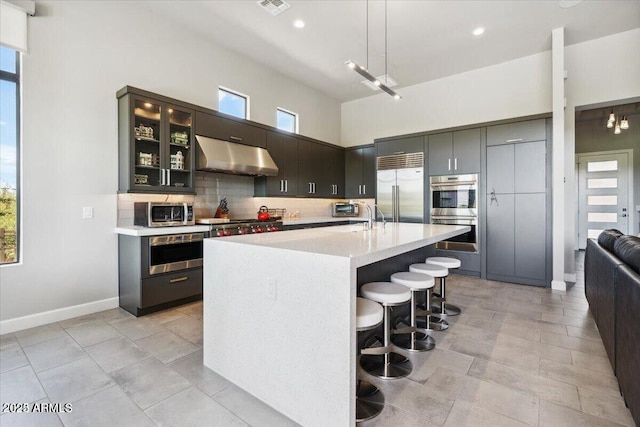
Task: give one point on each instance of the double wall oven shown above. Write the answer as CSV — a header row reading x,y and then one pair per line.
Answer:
x,y
454,202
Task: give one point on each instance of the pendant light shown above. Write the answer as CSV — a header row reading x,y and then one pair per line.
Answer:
x,y
614,122
364,72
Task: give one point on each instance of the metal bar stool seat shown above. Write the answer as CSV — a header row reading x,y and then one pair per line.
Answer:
x,y
381,361
369,398
432,323
445,309
413,338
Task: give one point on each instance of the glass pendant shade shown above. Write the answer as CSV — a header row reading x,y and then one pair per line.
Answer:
x,y
610,124
624,124
612,117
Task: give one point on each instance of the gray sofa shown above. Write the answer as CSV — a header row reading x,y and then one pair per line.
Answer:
x,y
612,288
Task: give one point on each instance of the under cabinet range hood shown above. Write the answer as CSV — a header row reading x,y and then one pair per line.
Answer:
x,y
215,155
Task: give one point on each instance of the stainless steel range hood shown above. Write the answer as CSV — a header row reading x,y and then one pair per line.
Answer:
x,y
215,155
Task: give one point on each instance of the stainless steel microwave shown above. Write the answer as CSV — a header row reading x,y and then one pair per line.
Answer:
x,y
151,214
344,209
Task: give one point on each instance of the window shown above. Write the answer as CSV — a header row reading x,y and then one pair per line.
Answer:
x,y
9,152
233,103
286,120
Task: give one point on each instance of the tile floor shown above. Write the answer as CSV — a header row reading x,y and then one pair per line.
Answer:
x,y
516,356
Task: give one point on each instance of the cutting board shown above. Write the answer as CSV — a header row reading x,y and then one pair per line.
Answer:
x,y
211,220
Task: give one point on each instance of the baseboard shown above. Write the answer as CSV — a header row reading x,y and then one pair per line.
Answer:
x,y
570,277
558,285
39,319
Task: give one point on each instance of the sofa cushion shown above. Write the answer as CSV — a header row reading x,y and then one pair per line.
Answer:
x,y
627,248
608,238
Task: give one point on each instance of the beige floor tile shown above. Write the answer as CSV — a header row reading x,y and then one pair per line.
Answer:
x,y
586,322
573,343
526,382
585,378
494,397
588,333
466,413
395,417
425,364
553,415
605,406
505,355
591,362
537,325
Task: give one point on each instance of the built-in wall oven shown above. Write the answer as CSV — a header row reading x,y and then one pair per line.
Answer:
x,y
454,202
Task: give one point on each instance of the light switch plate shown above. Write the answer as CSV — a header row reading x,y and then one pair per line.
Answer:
x,y
87,212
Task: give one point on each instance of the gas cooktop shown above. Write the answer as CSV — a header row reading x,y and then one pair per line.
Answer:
x,y
244,226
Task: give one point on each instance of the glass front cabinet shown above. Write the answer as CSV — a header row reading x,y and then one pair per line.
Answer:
x,y
156,144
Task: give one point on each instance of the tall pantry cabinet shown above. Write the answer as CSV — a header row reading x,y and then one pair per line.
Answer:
x,y
518,203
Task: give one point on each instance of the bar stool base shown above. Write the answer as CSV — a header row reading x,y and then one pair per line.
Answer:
x,y
369,401
398,366
449,309
416,344
436,324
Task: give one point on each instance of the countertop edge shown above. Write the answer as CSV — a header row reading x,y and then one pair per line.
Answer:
x,y
138,231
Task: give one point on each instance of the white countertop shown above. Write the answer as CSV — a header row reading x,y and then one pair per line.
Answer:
x,y
351,241
318,219
136,230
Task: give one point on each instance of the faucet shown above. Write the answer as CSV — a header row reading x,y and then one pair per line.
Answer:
x,y
382,215
370,221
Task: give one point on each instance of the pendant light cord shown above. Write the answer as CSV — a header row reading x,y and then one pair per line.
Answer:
x,y
367,35
385,43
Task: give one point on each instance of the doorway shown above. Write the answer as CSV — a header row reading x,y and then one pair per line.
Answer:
x,y
604,193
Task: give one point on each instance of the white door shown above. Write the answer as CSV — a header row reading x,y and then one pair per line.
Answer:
x,y
603,194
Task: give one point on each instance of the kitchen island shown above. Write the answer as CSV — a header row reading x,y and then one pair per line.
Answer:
x,y
279,311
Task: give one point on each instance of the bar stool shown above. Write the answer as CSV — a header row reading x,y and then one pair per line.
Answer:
x,y
381,361
433,323
408,338
449,263
369,399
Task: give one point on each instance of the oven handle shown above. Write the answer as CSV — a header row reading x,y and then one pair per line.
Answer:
x,y
454,184
176,239
453,218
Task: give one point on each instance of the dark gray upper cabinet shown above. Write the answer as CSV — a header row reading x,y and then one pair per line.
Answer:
x,y
360,172
334,161
309,155
454,152
229,129
530,130
284,151
413,144
155,143
440,150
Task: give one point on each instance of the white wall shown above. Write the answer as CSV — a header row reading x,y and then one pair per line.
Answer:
x,y
510,89
80,54
601,70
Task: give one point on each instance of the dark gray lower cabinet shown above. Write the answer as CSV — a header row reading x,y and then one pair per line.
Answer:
x,y
500,236
469,261
141,293
530,236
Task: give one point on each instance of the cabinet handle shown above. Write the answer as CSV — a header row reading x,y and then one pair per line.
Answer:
x,y
398,152
161,176
286,185
449,167
314,188
235,138
360,189
514,140
281,185
455,164
168,177
179,279
364,189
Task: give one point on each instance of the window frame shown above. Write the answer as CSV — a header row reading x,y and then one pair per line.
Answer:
x,y
247,101
16,78
296,120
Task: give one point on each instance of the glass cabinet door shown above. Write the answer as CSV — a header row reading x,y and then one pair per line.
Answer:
x,y
147,134
180,148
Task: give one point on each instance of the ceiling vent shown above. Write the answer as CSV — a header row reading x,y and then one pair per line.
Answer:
x,y
274,7
386,80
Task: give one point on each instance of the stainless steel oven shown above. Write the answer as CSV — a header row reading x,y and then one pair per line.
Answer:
x,y
454,202
175,252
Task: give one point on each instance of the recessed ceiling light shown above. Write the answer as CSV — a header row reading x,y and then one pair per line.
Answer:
x,y
478,31
298,23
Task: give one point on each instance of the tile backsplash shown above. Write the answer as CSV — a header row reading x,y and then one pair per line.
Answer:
x,y
212,187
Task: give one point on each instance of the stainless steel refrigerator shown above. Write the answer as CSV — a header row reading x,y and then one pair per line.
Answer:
x,y
400,187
